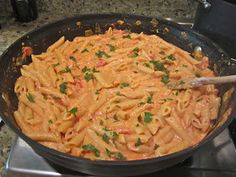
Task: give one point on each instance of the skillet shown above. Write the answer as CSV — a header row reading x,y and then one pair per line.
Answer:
x,y
39,39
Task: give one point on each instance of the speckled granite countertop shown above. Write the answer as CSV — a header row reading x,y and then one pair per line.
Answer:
x,y
53,10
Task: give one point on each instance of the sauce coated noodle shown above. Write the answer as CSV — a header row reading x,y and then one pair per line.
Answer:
x,y
105,97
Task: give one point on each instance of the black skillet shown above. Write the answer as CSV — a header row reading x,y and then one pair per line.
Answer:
x,y
40,39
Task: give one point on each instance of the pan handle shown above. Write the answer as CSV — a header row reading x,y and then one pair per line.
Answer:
x,y
205,4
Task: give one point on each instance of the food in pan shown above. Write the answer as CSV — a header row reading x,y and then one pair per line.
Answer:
x,y
106,97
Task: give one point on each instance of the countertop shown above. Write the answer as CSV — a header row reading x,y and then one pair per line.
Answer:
x,y
11,30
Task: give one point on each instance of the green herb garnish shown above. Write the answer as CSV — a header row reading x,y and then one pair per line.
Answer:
x,y
136,49
100,53
88,76
112,47
165,79
138,142
156,146
108,153
147,117
119,156
149,99
72,58
105,138
158,66
127,36
63,87
90,147
54,65
162,52
147,65
74,111
114,135
85,50
50,121
124,84
66,70
30,97
85,69
171,57
135,55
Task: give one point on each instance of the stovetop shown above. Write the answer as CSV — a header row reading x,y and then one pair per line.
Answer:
x,y
217,158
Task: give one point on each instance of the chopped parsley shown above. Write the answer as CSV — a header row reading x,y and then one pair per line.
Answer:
x,y
147,65
165,79
185,66
30,97
74,111
124,84
162,52
147,117
113,38
72,58
97,92
108,153
156,146
135,55
136,49
85,69
105,138
112,47
127,36
89,73
66,70
90,147
63,87
171,57
158,66
88,76
50,121
119,156
100,54
138,142
150,99
181,82
85,50
54,65
114,135
94,70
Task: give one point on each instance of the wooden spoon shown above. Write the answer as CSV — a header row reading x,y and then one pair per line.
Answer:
x,y
198,82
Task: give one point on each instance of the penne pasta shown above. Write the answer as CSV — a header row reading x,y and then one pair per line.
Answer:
x,y
105,97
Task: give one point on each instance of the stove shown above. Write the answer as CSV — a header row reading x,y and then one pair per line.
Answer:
x,y
217,158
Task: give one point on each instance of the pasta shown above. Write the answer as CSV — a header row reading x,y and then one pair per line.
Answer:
x,y
106,97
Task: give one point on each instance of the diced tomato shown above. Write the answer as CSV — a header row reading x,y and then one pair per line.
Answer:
x,y
203,64
101,63
78,85
26,51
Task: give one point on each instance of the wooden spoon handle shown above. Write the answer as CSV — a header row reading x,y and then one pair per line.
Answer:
x,y
217,80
